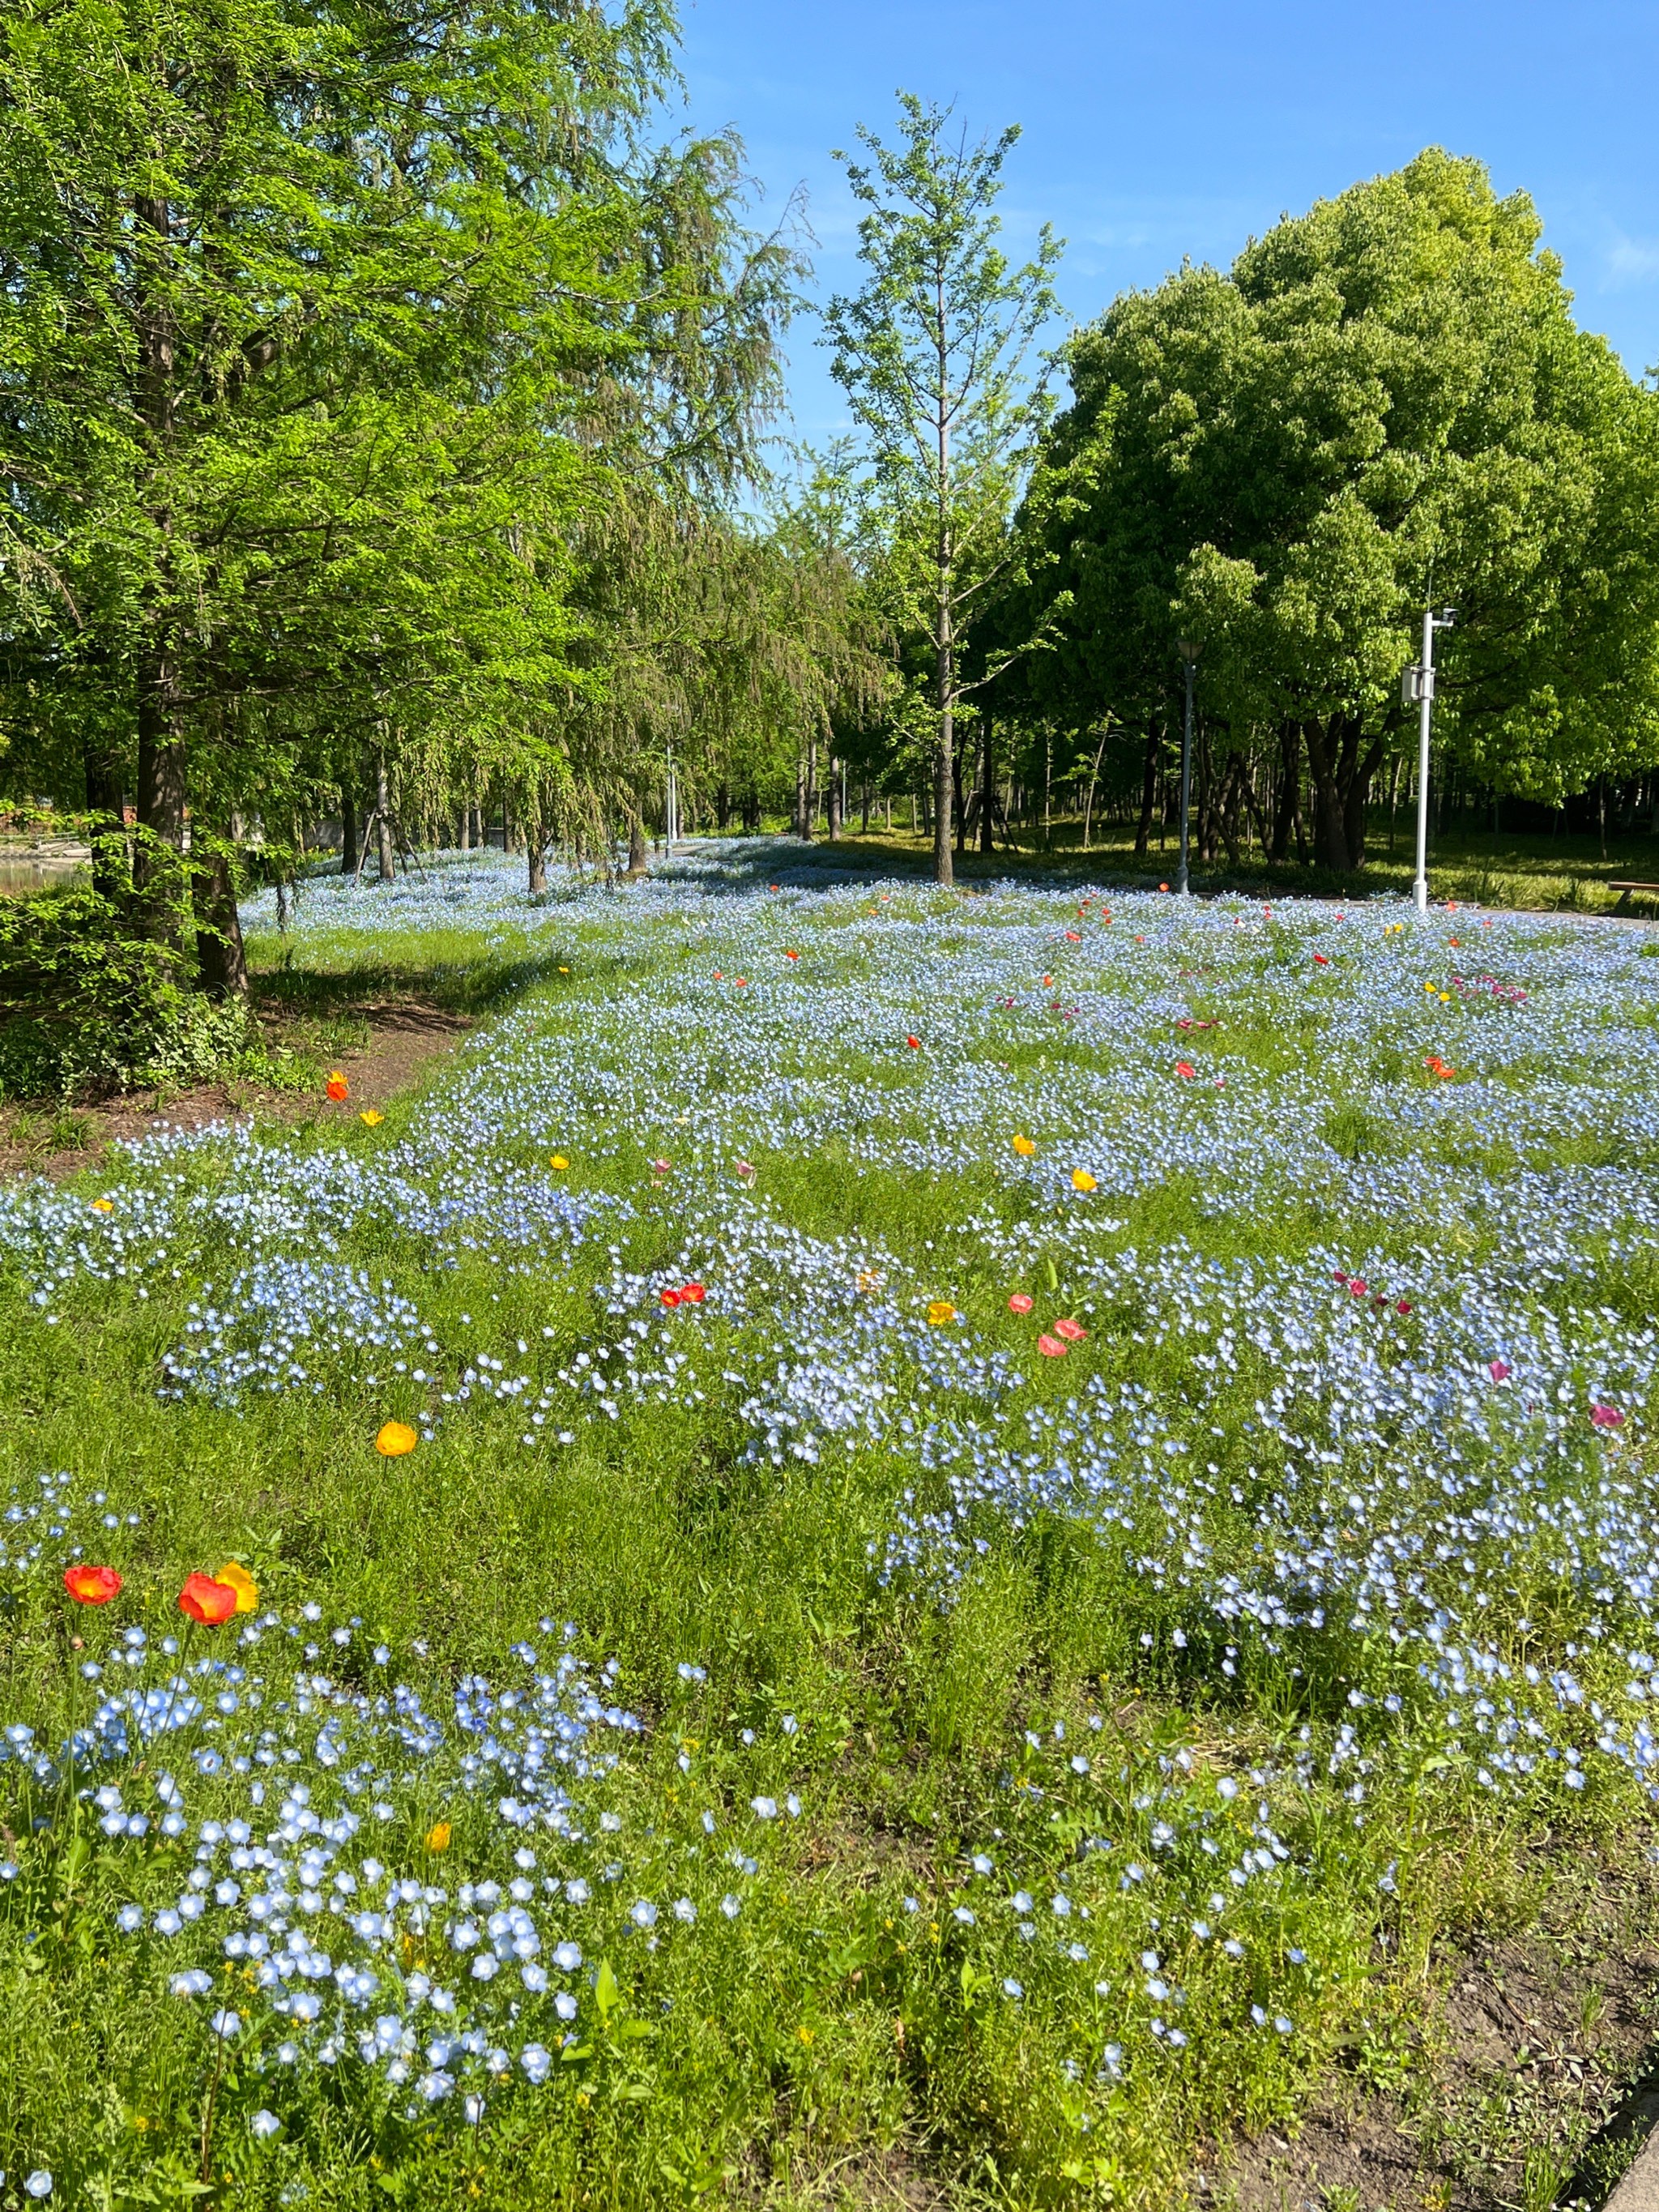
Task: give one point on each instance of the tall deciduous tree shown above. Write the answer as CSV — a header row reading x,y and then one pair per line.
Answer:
x,y
1387,398
935,354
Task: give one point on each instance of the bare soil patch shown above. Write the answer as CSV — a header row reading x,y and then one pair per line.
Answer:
x,y
1531,2081
400,1039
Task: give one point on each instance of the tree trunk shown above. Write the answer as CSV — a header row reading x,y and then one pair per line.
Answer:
x,y
347,830
1148,788
945,772
1286,790
537,844
1330,833
722,807
834,795
383,819
1094,777
106,831
157,875
221,962
636,862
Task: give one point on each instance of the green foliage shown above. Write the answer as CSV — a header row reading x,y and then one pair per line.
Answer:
x,y
87,1003
935,355
1385,399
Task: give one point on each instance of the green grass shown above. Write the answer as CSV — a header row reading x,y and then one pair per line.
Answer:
x,y
827,2045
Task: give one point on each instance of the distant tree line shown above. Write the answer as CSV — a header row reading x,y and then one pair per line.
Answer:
x,y
384,410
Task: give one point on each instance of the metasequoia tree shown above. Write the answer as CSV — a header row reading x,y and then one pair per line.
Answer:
x,y
934,354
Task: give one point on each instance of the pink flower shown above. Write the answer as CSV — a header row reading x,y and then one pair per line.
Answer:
x,y
1074,1332
745,1170
1019,1303
1607,1416
1050,1346
1356,1287
1499,1370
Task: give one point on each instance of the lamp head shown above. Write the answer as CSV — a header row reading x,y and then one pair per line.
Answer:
x,y
1187,649
1446,618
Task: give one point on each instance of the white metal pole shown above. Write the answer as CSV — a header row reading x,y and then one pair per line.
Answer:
x,y
1425,709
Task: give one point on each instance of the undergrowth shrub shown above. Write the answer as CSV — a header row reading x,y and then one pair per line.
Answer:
x,y
87,1005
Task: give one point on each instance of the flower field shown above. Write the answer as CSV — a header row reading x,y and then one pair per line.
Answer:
x,y
887,1526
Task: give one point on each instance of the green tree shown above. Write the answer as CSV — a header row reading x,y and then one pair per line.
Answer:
x,y
1387,398
300,307
935,354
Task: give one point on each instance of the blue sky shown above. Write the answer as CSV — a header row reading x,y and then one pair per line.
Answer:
x,y
1185,126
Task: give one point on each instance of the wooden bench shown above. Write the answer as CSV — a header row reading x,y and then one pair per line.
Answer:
x,y
1624,890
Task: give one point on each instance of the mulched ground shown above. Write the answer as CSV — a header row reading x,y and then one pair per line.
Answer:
x,y
1535,2084
405,1036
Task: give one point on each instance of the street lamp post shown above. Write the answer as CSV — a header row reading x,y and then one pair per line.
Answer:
x,y
671,813
1188,652
1417,688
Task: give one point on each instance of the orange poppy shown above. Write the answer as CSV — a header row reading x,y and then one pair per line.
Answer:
x,y
1025,1147
1185,1070
207,1600
395,1439
338,1088
89,1585
914,1043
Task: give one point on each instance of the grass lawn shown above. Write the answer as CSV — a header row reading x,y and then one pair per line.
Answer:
x,y
1021,1508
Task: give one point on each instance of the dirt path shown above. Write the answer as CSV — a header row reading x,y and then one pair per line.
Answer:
x,y
405,1036
1525,2085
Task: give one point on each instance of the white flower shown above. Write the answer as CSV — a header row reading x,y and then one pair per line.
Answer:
x,y
263,2123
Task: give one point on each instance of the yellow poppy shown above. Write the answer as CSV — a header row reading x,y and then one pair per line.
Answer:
x,y
1025,1147
1082,1180
559,1162
869,1279
246,1589
396,1438
941,1310
372,1115
437,1839
103,1205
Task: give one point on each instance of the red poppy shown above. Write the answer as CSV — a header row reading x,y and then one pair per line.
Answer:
x,y
1019,1303
1050,1346
1074,936
914,1043
337,1087
1499,1370
1358,1287
792,955
1320,959
1185,1070
691,1294
1404,1306
207,1601
1074,1332
669,1298
91,1585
